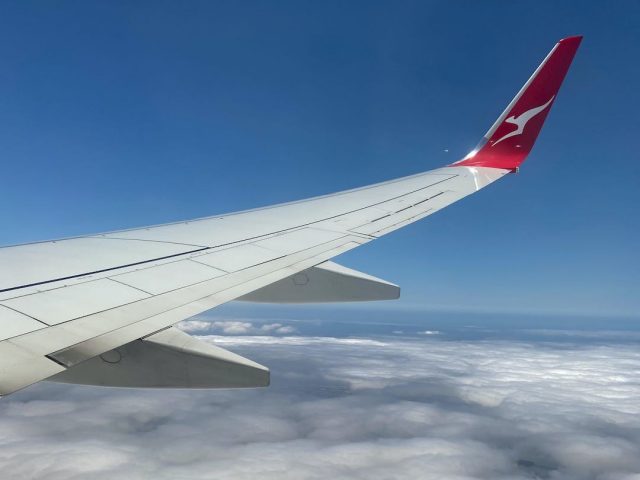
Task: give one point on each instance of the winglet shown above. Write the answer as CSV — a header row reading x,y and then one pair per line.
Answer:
x,y
511,138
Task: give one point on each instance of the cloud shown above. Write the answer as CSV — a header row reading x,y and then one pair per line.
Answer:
x,y
349,408
290,340
235,327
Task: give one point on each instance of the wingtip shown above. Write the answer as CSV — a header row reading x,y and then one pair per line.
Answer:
x,y
509,141
571,39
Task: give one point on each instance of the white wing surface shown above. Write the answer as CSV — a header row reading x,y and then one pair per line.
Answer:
x,y
71,309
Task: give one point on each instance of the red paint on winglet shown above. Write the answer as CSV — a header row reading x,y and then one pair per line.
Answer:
x,y
510,140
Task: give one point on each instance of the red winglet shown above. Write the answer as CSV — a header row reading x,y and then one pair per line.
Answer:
x,y
511,138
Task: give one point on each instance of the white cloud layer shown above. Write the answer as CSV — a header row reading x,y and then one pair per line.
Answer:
x,y
235,327
349,409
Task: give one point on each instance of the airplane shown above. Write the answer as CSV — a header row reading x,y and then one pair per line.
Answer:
x,y
101,309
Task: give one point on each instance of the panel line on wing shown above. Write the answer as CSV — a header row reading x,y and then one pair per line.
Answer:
x,y
14,323
79,275
63,304
129,285
106,236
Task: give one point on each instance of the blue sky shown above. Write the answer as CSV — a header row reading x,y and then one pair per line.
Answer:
x,y
122,114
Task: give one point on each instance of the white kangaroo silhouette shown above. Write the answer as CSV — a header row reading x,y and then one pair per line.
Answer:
x,y
521,121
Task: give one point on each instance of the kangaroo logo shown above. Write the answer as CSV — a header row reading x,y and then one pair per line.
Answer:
x,y
521,120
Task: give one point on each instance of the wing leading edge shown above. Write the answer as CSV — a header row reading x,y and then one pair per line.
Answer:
x,y
65,303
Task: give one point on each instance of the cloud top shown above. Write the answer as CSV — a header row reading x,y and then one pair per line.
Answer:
x,y
349,408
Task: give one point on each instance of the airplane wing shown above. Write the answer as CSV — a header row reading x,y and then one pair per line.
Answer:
x,y
100,309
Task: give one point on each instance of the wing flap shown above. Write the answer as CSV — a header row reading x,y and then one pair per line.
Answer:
x,y
20,367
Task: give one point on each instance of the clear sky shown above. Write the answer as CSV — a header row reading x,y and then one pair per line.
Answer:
x,y
124,114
